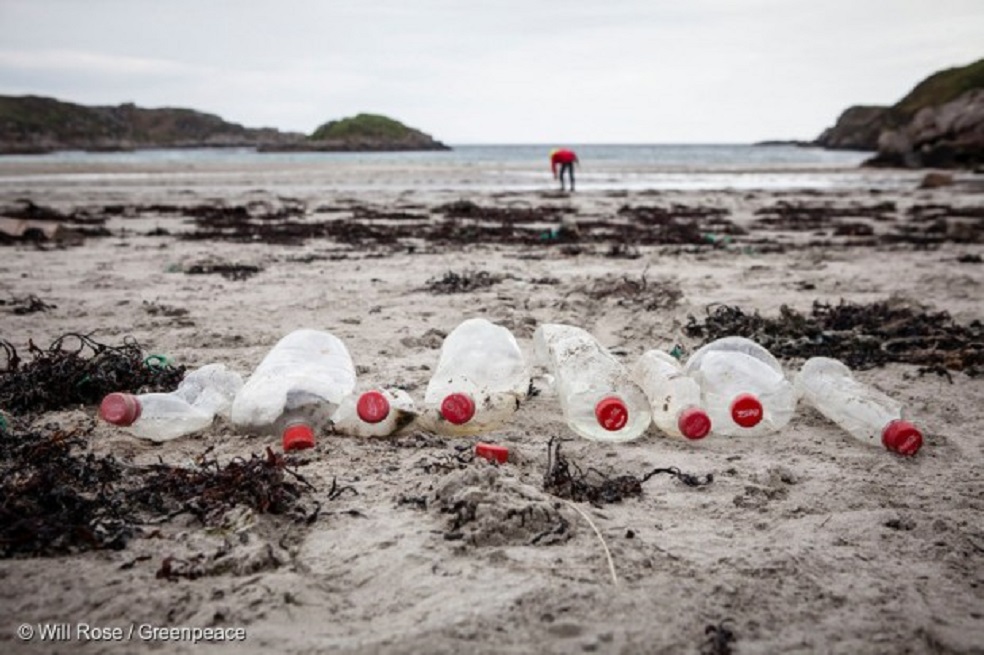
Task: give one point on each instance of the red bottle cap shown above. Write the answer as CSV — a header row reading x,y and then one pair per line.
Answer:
x,y
612,414
492,452
902,437
746,410
372,407
120,409
298,437
458,408
694,423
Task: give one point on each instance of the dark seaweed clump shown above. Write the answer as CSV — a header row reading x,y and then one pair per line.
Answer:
x,y
465,282
861,336
566,479
56,499
76,369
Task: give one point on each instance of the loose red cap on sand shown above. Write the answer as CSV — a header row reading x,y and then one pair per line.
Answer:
x,y
612,414
120,409
902,437
298,437
694,423
372,407
492,452
458,408
746,410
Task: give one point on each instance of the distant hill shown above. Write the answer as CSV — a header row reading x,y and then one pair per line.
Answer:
x,y
364,132
939,123
34,124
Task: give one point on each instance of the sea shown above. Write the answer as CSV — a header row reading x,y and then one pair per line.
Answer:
x,y
488,168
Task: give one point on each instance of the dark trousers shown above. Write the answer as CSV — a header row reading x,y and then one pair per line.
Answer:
x,y
569,169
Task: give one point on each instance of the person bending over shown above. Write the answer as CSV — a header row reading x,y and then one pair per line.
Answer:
x,y
565,160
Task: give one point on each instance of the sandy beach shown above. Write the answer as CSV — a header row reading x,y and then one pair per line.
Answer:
x,y
806,541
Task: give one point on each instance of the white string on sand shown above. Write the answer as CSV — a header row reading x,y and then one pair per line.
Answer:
x,y
608,554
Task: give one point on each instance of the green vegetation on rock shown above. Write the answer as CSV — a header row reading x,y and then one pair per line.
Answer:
x,y
362,126
940,88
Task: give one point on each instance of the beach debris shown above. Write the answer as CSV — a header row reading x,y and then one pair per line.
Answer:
x,y
650,295
492,452
264,483
77,369
719,638
862,336
935,180
228,271
465,282
566,480
55,498
19,229
27,305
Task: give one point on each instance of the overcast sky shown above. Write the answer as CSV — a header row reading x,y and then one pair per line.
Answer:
x,y
495,71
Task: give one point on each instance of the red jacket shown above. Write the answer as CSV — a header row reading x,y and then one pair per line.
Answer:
x,y
562,156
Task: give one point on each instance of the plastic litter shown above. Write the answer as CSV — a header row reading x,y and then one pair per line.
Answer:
x,y
480,380
202,395
743,387
862,411
297,388
597,396
374,413
674,397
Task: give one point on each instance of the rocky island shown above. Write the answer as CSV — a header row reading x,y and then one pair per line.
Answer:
x,y
35,124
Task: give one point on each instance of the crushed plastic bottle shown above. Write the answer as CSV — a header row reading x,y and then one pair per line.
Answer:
x,y
597,396
862,411
480,380
374,413
202,395
296,389
673,396
743,387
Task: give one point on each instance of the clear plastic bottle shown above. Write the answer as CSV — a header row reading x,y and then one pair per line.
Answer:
x,y
480,380
597,396
673,396
296,388
743,387
375,413
862,411
202,395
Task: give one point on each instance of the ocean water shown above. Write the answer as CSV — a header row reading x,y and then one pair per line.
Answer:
x,y
465,167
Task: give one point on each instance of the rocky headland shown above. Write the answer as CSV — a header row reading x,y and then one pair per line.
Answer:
x,y
34,124
939,124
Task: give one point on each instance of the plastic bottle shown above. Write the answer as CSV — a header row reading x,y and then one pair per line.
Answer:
x,y
480,380
597,396
375,413
673,396
864,412
296,388
743,388
202,394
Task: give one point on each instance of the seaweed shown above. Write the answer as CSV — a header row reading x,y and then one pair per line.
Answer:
x,y
465,282
565,479
861,336
55,499
228,271
29,305
208,491
77,369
